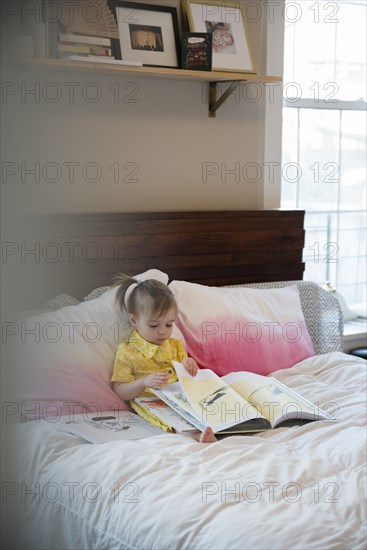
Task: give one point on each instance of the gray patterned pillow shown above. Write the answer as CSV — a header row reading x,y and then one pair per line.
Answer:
x,y
59,301
96,293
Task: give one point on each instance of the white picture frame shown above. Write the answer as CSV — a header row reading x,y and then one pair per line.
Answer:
x,y
225,20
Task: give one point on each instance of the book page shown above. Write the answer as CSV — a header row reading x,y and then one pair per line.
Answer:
x,y
175,398
215,403
164,412
274,400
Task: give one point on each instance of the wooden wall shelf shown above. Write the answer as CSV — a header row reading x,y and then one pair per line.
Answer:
x,y
211,77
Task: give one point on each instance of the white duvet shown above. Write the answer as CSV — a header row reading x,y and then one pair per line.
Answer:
x,y
301,487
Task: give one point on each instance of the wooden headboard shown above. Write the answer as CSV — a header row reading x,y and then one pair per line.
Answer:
x,y
83,251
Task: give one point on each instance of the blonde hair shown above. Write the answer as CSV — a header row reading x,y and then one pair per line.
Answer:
x,y
150,294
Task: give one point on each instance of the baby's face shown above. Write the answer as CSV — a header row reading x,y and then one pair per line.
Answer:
x,y
154,329
228,39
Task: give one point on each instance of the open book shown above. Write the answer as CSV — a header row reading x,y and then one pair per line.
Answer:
x,y
238,402
108,426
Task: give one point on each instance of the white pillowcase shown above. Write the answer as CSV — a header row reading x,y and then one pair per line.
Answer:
x,y
234,329
62,361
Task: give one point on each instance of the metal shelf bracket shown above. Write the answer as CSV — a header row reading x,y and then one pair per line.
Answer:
x,y
214,102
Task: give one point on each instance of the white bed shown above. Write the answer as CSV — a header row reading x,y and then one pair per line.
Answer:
x,y
301,487
290,488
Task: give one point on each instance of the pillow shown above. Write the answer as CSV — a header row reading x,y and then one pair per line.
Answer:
x,y
234,329
61,362
96,293
59,301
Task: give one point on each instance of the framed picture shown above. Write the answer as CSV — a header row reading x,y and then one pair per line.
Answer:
x,y
230,41
196,50
148,33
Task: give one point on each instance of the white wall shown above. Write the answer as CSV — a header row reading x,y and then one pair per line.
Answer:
x,y
178,157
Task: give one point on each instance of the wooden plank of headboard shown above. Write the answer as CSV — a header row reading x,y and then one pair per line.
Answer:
x,y
208,247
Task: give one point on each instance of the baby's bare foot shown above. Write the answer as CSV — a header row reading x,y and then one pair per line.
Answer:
x,y
207,436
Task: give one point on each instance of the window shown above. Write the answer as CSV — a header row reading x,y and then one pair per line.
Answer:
x,y
324,138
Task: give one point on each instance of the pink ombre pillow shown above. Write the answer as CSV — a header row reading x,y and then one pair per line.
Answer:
x,y
234,329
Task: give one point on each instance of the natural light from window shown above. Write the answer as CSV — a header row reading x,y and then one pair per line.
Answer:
x,y
324,138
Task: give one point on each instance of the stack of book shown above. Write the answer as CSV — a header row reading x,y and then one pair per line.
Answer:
x,y
86,31
83,46
88,18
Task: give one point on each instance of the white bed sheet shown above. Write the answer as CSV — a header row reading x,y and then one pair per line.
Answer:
x,y
301,487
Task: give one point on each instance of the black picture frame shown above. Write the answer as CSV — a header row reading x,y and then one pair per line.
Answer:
x,y
149,34
196,51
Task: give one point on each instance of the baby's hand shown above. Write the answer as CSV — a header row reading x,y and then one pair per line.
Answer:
x,y
156,380
190,365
